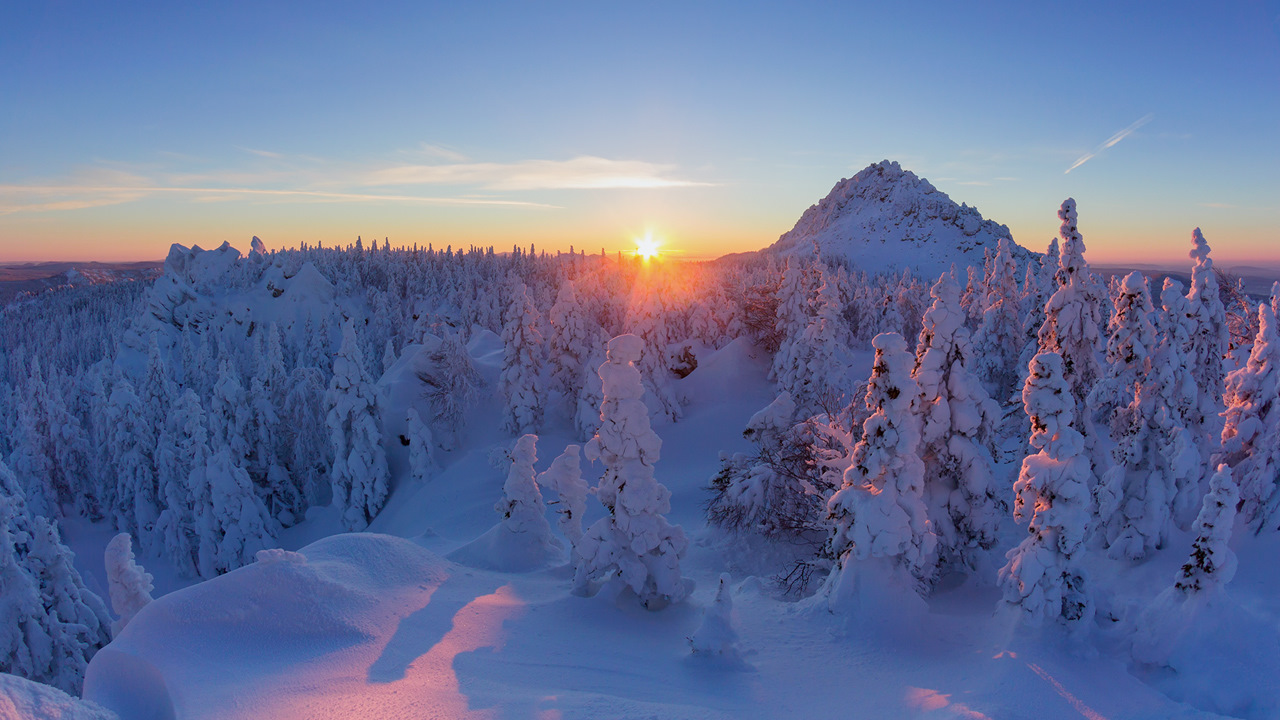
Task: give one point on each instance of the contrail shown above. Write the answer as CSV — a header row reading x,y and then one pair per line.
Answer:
x,y
1111,141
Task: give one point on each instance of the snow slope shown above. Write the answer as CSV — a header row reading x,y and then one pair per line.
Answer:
x,y
889,219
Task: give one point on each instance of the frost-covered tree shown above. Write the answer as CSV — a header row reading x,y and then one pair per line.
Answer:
x,y
879,512
304,434
521,507
1073,315
1251,433
573,339
26,647
1136,495
521,382
957,423
230,414
234,524
634,539
1208,345
1212,564
137,497
129,584
422,447
586,418
794,307
716,636
648,322
818,374
998,340
1200,581
1176,385
1043,576
450,385
565,478
184,448
359,476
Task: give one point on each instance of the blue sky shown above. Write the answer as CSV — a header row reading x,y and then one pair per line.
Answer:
x,y
125,128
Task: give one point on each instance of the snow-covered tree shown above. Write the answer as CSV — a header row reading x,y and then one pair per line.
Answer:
x,y
520,382
1136,495
1176,385
129,584
359,475
422,447
648,322
1199,582
136,498
26,647
1212,564
521,507
716,636
235,524
879,512
1208,345
450,384
574,338
1251,433
565,478
304,434
818,373
1073,315
957,423
998,340
794,307
586,418
1043,576
183,449
634,539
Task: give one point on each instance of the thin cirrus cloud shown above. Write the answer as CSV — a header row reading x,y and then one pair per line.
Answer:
x,y
1111,142
580,173
100,187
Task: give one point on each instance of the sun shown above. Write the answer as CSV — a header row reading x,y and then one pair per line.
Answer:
x,y
647,246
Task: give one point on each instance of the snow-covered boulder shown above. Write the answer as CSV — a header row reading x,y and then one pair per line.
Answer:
x,y
889,219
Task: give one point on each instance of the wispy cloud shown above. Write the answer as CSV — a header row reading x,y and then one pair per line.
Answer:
x,y
580,173
299,179
44,198
1111,142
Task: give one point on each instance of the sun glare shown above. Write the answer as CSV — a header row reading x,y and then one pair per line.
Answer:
x,y
647,246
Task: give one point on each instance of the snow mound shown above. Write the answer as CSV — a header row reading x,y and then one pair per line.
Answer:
x,y
889,219
504,550
186,650
21,699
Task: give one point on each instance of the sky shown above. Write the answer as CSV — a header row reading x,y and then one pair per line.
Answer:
x,y
125,127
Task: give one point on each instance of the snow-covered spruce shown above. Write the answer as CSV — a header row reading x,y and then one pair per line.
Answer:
x,y
359,476
183,452
1176,384
819,376
565,478
1199,582
999,339
520,382
521,507
1251,434
648,322
1136,494
879,512
53,623
715,636
128,583
634,540
1208,349
957,423
422,462
1073,315
235,524
1043,577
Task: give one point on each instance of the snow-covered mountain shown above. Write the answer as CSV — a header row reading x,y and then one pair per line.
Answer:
x,y
886,218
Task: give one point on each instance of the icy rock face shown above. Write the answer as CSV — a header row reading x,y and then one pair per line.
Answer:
x,y
889,219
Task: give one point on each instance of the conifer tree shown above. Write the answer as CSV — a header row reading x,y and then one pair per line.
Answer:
x,y
565,478
129,584
520,382
998,341
1251,433
359,475
1212,563
1043,576
879,512
958,420
521,507
634,539
1073,315
1175,383
421,447
137,498
184,448
234,524
1208,346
